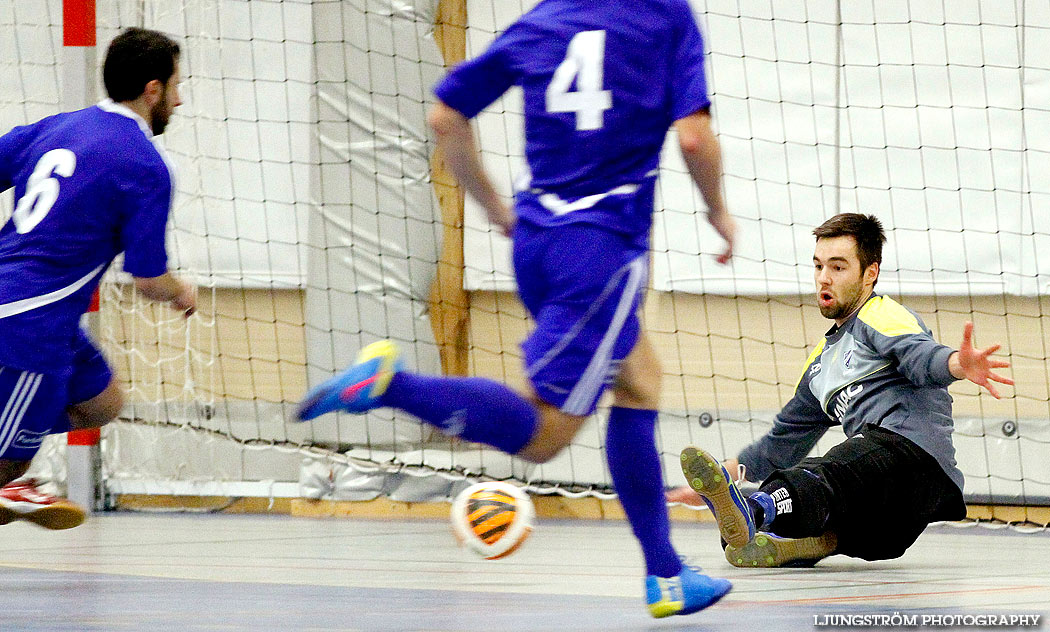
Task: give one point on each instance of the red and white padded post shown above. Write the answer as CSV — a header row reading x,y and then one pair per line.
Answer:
x,y
79,89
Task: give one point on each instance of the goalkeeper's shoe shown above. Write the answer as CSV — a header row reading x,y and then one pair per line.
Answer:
x,y
687,592
710,479
359,387
771,551
23,500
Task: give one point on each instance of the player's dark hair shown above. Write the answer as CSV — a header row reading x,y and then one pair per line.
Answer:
x,y
136,57
866,230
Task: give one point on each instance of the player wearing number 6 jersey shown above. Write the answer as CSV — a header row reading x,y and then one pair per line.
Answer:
x,y
602,83
88,185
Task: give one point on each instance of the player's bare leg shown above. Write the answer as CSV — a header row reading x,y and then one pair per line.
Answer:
x,y
554,432
99,410
22,499
11,470
639,382
637,387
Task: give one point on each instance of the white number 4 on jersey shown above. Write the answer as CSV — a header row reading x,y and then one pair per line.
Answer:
x,y
585,62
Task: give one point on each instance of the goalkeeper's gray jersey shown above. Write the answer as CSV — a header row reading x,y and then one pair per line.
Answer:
x,y
881,367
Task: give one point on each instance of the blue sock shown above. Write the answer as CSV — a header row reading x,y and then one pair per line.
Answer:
x,y
473,408
763,509
630,448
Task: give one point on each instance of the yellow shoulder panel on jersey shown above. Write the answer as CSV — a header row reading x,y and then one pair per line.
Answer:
x,y
888,317
812,356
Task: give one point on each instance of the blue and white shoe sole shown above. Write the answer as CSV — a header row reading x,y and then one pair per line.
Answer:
x,y
709,479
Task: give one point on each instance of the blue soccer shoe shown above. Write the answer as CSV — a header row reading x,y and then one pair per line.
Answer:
x,y
688,592
359,387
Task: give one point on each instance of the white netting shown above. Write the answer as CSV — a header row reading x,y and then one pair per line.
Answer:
x,y
929,115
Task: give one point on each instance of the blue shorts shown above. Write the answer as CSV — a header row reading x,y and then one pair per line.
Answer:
x,y
33,405
583,286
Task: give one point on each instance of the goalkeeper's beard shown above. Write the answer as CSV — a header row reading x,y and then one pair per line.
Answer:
x,y
160,116
845,306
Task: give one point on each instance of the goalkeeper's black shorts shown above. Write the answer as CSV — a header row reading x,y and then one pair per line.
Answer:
x,y
876,491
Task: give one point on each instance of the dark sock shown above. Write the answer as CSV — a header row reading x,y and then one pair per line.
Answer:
x,y
634,463
762,508
474,408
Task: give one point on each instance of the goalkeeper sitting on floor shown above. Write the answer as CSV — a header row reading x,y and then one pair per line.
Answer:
x,y
880,375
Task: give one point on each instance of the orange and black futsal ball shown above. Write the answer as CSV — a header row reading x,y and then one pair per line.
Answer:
x,y
492,519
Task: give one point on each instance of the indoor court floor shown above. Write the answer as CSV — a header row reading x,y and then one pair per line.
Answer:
x,y
216,572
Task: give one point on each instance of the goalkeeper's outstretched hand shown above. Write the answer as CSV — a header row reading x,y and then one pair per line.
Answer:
x,y
970,363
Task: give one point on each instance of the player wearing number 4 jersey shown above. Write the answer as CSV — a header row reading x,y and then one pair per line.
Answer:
x,y
602,83
88,185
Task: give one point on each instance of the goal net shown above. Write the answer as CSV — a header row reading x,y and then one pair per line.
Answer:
x,y
311,216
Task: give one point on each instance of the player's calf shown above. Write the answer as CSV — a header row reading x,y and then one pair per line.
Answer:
x,y
554,432
97,411
11,470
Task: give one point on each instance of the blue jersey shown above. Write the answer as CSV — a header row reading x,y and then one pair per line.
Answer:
x,y
88,185
602,83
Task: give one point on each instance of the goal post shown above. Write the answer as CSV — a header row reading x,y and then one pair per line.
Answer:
x,y
450,302
79,64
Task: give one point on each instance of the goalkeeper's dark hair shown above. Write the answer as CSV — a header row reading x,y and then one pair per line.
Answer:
x,y
866,230
136,57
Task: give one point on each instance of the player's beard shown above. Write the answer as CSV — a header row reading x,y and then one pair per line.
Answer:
x,y
161,114
847,301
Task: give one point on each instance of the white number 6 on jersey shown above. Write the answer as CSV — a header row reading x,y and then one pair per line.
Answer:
x,y
42,189
585,62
